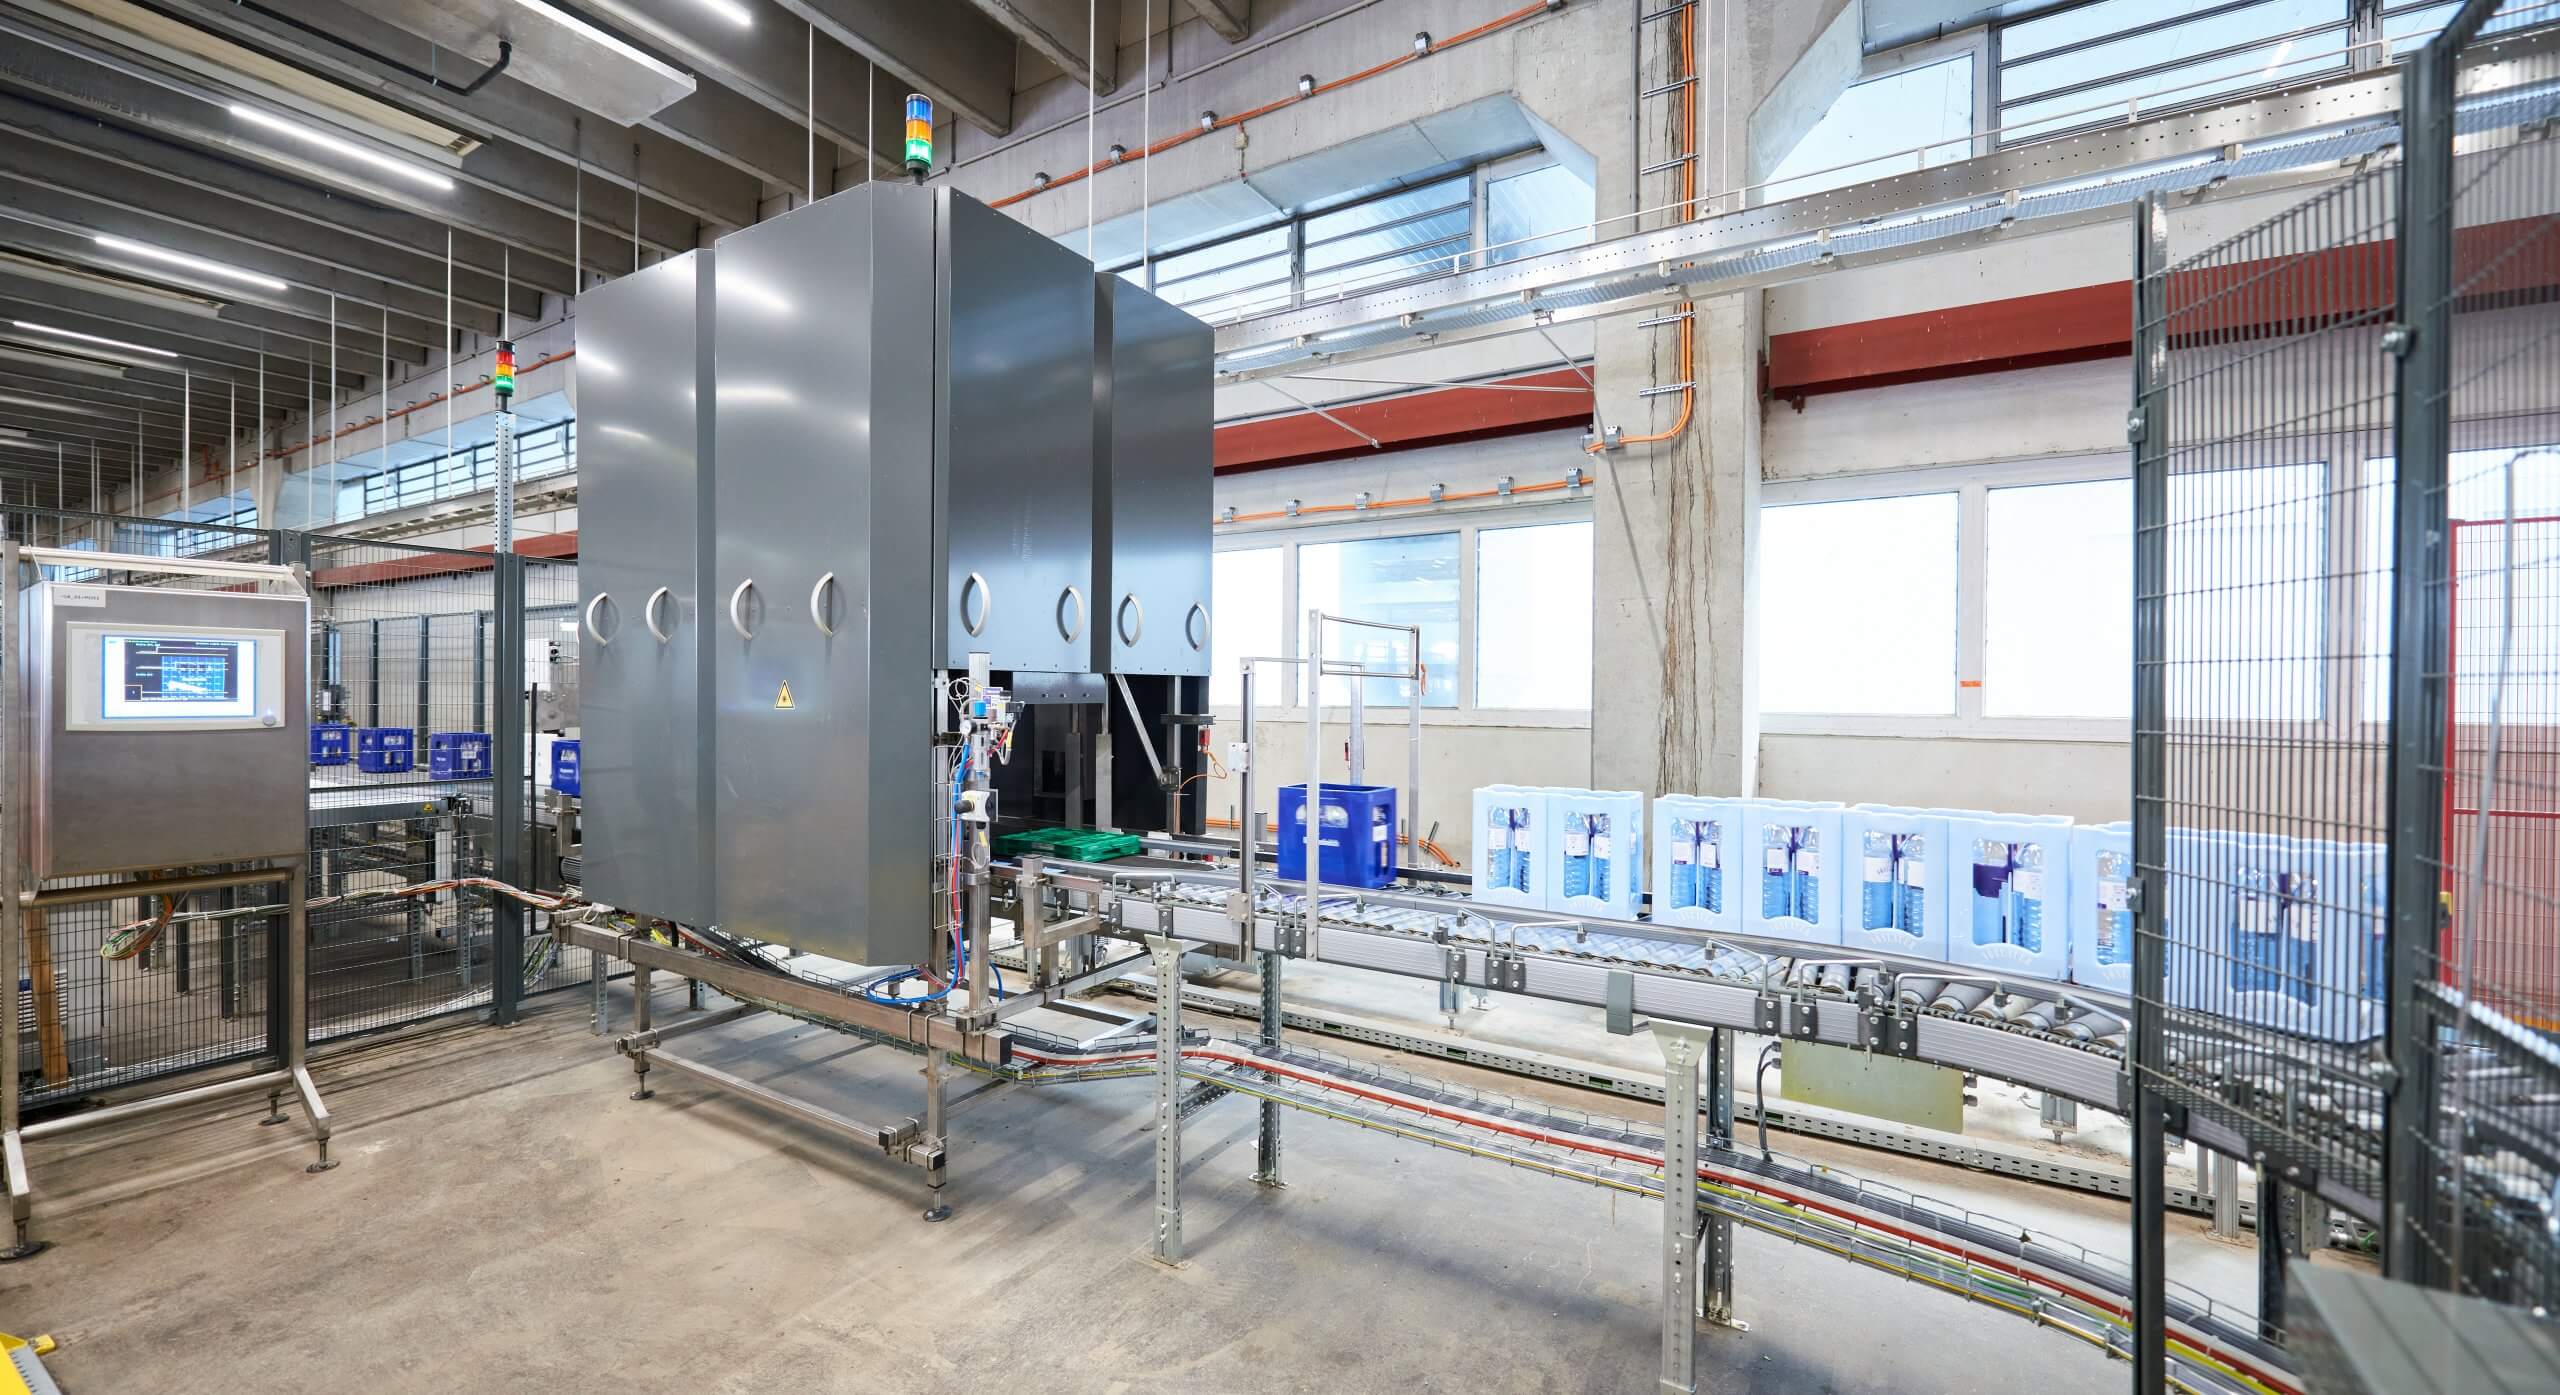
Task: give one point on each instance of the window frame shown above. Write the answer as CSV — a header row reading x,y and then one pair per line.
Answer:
x,y
1282,688
1972,486
2355,26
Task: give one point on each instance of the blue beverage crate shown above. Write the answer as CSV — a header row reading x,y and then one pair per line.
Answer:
x,y
564,766
385,750
1355,840
458,755
332,743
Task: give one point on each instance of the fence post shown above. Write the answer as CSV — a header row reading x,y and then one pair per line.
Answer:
x,y
507,791
2147,428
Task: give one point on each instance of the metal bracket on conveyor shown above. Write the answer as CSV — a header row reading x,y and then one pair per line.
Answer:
x,y
1506,969
1892,1032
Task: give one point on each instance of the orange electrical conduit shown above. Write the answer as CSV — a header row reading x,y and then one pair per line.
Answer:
x,y
1195,132
1542,487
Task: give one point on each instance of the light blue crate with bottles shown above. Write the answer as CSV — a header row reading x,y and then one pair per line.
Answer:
x,y
1792,857
2265,930
1510,834
1700,868
1901,863
2102,906
1595,852
2010,896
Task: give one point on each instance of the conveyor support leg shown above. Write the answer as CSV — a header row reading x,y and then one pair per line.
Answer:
x,y
1266,1147
640,1024
1168,969
1683,1048
1715,1250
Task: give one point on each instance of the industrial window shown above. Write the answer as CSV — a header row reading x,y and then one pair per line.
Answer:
x,y
1245,621
1424,230
1522,213
1533,617
2476,505
545,449
2113,60
1887,125
1396,581
238,511
2247,582
1857,606
2058,600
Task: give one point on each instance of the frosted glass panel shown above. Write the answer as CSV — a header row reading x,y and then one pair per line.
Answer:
x,y
1533,617
1857,606
2058,601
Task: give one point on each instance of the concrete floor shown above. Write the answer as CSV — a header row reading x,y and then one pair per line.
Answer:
x,y
508,1220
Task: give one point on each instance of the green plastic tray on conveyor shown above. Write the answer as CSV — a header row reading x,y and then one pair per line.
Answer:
x,y
1077,844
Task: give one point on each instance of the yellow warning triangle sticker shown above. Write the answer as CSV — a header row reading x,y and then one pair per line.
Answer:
x,y
783,702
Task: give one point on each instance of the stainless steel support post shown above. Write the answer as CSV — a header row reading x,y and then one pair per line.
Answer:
x,y
936,1142
1683,1048
1715,1249
2280,1238
297,1008
2146,1053
13,920
1266,1143
640,1024
1168,971
508,787
598,971
2223,1176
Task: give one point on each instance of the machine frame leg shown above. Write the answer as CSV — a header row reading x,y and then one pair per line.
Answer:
x,y
1168,970
640,1024
1683,1048
937,1140
1266,1142
1715,1248
297,1017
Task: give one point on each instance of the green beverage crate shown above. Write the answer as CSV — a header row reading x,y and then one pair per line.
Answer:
x,y
1075,844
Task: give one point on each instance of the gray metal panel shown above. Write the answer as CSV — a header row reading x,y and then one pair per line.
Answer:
x,y
645,467
127,801
1014,457
824,809
1152,496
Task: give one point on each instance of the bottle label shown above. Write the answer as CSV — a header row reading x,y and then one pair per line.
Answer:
x,y
1809,861
1600,845
2028,884
1708,856
2111,896
1680,853
1577,845
1775,860
1879,869
1913,873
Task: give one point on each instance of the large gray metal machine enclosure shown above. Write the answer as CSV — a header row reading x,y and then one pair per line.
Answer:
x,y
165,727
645,510
1153,494
822,632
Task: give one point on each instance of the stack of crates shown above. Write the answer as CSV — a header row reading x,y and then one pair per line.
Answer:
x,y
564,767
2274,931
332,743
1355,834
1073,844
1901,860
385,750
458,755
1595,848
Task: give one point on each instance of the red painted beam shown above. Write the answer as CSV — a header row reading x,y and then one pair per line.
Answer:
x,y
1414,419
424,564
2512,262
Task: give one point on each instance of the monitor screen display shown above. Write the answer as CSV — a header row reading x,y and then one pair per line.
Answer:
x,y
177,677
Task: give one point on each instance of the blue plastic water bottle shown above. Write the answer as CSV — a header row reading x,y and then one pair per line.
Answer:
x,y
2115,916
1876,881
1709,865
1808,875
2026,898
1990,892
1777,896
1915,886
1683,891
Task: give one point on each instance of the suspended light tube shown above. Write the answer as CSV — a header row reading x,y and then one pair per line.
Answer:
x,y
34,328
201,265
314,136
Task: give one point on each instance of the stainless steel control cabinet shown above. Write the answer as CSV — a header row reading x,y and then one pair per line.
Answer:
x,y
121,780
822,624
645,467
1152,494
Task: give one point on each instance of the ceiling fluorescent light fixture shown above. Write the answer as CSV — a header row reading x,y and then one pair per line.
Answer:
x,y
731,11
313,136
10,352
12,431
596,36
200,265
92,339
44,405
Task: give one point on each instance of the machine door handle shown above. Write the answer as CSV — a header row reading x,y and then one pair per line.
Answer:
x,y
593,633
1195,626
1065,631
976,585
738,621
1133,618
818,605
649,613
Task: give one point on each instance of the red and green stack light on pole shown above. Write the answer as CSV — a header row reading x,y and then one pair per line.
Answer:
x,y
503,377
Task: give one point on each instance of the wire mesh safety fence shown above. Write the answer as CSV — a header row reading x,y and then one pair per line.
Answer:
x,y
2475,1138
404,642
550,692
2259,783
